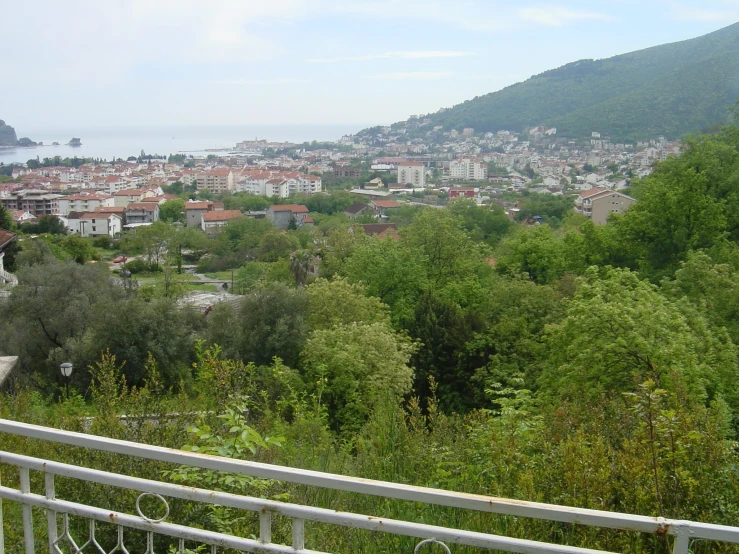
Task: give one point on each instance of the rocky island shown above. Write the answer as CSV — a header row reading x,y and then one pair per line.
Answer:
x,y
8,137
74,142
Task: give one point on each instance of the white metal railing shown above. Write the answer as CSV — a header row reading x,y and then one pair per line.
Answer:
x,y
682,531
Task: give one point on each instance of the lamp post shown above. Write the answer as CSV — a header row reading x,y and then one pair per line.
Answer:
x,y
66,369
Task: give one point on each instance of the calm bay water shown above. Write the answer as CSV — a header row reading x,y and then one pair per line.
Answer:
x,y
125,142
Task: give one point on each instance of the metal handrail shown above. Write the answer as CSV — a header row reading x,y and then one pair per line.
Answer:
x,y
683,531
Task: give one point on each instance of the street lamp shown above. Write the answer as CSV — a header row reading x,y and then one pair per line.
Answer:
x,y
66,369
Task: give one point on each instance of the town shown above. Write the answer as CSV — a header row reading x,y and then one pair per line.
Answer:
x,y
96,199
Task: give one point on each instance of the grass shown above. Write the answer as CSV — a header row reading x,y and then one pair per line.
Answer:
x,y
188,287
159,276
221,275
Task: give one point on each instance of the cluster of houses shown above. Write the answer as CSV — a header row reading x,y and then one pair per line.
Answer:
x,y
279,177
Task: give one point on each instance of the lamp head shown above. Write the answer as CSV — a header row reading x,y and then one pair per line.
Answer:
x,y
66,369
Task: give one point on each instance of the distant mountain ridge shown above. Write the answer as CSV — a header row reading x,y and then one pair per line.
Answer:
x,y
669,90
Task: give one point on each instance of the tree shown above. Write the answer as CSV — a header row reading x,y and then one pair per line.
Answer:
x,y
444,248
300,262
135,330
275,244
391,271
79,249
619,332
153,241
690,202
351,368
6,220
172,210
53,303
536,252
272,324
442,332
338,302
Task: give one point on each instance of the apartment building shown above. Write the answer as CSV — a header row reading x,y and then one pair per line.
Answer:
x,y
468,169
37,202
597,204
84,203
412,173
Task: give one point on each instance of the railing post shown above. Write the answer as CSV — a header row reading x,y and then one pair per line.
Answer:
x,y
27,513
682,537
265,526
2,537
50,493
298,534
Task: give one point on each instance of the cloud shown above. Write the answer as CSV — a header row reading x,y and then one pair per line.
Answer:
x,y
400,55
401,76
557,16
277,81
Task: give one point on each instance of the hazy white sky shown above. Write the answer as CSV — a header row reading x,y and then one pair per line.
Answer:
x,y
170,62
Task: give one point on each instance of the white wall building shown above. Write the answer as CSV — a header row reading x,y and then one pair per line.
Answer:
x,y
412,173
468,169
83,203
97,224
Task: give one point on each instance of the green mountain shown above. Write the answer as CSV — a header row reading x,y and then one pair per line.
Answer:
x,y
7,135
667,90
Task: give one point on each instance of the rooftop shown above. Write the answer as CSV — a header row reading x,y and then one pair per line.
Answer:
x,y
294,208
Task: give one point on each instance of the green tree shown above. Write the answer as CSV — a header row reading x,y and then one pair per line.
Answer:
x,y
172,210
620,331
338,302
272,324
79,249
275,244
352,367
53,303
6,220
536,252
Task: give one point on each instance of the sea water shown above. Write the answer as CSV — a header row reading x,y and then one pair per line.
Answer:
x,y
110,143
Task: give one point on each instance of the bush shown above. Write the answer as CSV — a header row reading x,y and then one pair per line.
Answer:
x,y
137,266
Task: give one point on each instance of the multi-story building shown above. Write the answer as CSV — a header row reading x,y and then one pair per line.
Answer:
x,y
468,169
211,222
283,214
98,224
215,180
412,173
597,204
37,202
83,202
194,212
126,197
142,212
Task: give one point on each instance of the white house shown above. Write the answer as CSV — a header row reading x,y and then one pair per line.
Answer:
x,y
98,224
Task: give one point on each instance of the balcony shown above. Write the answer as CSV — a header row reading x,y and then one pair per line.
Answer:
x,y
49,523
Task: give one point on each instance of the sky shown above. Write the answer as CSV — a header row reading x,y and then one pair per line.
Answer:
x,y
129,63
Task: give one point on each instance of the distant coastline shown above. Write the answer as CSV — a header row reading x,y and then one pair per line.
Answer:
x,y
124,142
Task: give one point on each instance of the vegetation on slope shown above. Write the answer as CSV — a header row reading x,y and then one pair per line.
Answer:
x,y
666,90
579,365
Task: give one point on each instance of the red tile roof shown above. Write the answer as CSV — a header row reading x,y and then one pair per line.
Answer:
x,y
386,203
221,215
294,208
147,206
5,237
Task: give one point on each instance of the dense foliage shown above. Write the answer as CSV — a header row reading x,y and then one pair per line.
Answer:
x,y
667,90
559,362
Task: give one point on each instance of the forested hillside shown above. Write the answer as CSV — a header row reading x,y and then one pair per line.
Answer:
x,y
565,363
669,90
